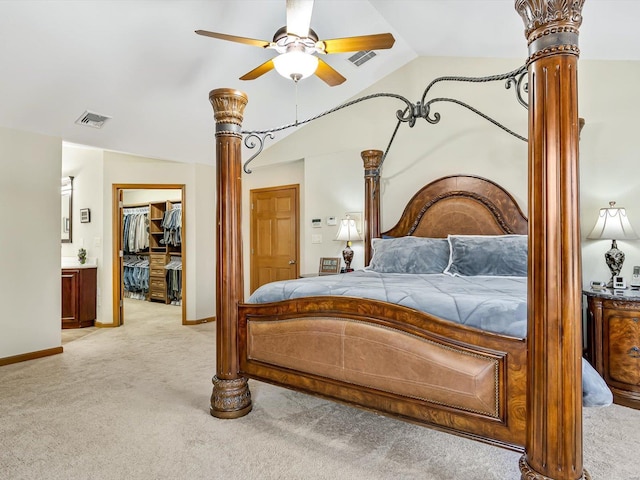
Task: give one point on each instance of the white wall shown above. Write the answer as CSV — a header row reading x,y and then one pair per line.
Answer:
x,y
85,165
610,167
202,251
465,143
29,242
149,195
333,198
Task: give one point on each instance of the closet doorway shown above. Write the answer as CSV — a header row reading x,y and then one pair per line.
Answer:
x,y
149,248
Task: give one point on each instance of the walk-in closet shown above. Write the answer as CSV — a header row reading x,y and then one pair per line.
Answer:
x,y
151,240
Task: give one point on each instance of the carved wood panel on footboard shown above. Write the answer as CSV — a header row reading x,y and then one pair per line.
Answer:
x,y
393,360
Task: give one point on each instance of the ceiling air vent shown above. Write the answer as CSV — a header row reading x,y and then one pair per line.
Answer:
x,y
91,119
361,57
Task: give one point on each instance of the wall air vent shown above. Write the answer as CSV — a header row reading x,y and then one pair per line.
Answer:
x,y
92,119
361,57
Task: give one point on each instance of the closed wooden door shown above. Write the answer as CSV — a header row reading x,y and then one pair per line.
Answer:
x,y
275,234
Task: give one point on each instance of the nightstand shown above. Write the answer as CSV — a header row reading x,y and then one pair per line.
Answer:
x,y
613,341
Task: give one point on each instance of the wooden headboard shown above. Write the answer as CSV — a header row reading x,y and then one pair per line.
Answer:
x,y
460,205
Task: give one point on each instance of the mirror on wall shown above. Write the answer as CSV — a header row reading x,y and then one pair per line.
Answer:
x,y
66,224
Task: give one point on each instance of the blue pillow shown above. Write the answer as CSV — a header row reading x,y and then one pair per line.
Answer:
x,y
409,255
492,255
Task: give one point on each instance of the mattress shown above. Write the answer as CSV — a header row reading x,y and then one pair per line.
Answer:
x,y
495,304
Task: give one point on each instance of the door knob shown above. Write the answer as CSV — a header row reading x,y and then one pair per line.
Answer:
x,y
292,262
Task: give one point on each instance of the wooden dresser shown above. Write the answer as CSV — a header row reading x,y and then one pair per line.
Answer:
x,y
79,296
613,341
158,277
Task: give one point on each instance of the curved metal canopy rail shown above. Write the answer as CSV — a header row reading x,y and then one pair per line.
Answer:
x,y
411,112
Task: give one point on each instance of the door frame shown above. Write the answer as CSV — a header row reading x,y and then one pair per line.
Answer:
x,y
294,186
116,242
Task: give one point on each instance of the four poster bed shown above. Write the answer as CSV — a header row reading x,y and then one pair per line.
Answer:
x,y
391,358
500,388
433,331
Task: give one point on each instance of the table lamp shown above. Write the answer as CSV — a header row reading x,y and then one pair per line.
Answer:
x,y
613,224
349,233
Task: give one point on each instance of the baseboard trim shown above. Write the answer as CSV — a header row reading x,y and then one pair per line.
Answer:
x,y
105,325
199,321
30,356
187,322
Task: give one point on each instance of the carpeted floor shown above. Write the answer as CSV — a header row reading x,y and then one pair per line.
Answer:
x,y
133,403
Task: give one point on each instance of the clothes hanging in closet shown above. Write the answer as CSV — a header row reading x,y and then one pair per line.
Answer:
x,y
136,276
174,280
172,225
135,236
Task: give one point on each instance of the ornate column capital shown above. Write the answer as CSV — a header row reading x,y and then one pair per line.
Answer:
x,y
228,110
371,160
551,26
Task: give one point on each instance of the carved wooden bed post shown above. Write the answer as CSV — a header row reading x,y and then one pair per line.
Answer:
x,y
371,159
553,447
230,397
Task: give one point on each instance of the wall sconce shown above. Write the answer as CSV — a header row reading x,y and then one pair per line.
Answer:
x,y
613,224
348,232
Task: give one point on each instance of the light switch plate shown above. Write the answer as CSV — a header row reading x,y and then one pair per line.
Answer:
x,y
316,238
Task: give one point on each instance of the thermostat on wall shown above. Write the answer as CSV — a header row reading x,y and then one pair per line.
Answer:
x,y
316,222
332,221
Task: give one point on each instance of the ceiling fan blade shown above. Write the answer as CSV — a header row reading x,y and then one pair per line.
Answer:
x,y
377,41
327,74
299,17
258,71
233,38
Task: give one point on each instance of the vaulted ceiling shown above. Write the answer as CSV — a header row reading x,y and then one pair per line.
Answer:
x,y
140,62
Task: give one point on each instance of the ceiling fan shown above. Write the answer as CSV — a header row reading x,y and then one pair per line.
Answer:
x,y
297,44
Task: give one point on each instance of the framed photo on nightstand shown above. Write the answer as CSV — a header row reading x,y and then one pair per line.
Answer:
x,y
329,266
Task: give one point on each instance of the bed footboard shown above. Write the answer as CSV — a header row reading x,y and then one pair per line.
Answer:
x,y
392,360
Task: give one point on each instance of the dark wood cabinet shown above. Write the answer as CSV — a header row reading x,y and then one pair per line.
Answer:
x,y
613,342
78,297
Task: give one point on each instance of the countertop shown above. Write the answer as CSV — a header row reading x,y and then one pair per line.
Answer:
x,y
72,262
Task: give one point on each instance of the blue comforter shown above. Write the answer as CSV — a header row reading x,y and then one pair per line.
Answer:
x,y
496,304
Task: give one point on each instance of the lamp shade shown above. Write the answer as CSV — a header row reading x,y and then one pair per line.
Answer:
x,y
348,231
296,64
613,224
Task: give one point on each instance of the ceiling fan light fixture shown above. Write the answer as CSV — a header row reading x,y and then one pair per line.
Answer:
x,y
296,65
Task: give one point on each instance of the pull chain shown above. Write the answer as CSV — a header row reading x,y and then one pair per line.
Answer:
x,y
296,84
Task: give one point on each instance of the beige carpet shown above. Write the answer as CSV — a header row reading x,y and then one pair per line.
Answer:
x,y
132,403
